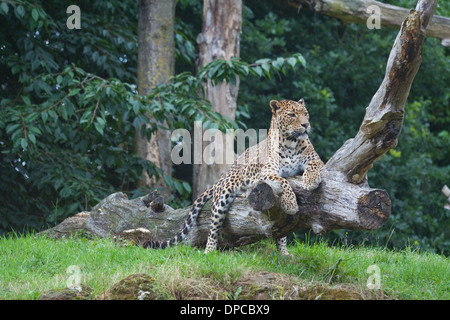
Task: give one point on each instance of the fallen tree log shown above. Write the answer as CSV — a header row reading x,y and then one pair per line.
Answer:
x,y
252,217
344,199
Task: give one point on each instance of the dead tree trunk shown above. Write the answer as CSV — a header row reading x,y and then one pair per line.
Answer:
x,y
344,199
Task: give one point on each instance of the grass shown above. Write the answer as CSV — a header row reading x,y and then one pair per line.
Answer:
x,y
30,265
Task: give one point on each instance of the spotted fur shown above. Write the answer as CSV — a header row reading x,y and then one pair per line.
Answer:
x,y
286,152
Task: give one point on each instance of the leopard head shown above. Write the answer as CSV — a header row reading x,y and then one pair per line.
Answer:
x,y
291,118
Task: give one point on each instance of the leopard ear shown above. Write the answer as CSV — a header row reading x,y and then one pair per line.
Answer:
x,y
274,105
302,101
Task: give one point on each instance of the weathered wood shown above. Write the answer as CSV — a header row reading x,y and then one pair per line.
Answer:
x,y
384,116
355,11
335,205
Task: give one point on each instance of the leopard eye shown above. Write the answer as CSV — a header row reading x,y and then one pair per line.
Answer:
x,y
306,114
291,115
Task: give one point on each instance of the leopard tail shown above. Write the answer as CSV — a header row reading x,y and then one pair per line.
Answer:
x,y
197,207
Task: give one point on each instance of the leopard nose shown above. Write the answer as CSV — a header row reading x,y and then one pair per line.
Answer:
x,y
305,125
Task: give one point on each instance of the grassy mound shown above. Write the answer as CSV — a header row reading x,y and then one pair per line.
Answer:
x,y
32,265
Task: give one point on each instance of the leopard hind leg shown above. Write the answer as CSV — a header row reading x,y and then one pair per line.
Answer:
x,y
281,246
221,203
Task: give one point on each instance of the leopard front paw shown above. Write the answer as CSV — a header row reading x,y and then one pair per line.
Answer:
x,y
311,183
311,176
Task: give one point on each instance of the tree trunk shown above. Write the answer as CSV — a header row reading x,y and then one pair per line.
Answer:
x,y
446,192
219,39
156,63
355,11
343,200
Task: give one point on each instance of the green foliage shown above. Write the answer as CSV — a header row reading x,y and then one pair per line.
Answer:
x,y
227,70
67,134
418,212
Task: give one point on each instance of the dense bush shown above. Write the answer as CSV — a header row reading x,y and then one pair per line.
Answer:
x,y
70,110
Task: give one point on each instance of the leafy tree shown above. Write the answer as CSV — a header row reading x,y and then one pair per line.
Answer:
x,y
70,109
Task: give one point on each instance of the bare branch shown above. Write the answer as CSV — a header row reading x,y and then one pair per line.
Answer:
x,y
355,11
384,115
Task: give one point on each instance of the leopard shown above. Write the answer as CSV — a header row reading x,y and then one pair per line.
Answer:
x,y
286,151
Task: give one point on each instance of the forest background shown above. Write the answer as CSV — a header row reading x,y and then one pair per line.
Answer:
x,y
70,107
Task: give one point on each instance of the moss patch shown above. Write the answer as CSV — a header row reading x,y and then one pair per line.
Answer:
x,y
137,286
81,293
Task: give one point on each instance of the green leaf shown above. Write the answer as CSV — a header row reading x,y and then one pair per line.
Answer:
x,y
64,113
26,99
178,187
98,127
101,121
32,138
31,117
12,127
302,60
187,187
395,153
44,116
53,115
15,69
24,143
266,68
262,61
35,14
292,61
36,130
74,92
20,11
258,71
4,7
277,64
100,124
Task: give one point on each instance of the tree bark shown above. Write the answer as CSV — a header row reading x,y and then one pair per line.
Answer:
x,y
446,192
343,200
219,39
156,63
355,11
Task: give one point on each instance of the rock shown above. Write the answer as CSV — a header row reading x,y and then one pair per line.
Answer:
x,y
324,292
137,286
80,293
275,286
267,286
